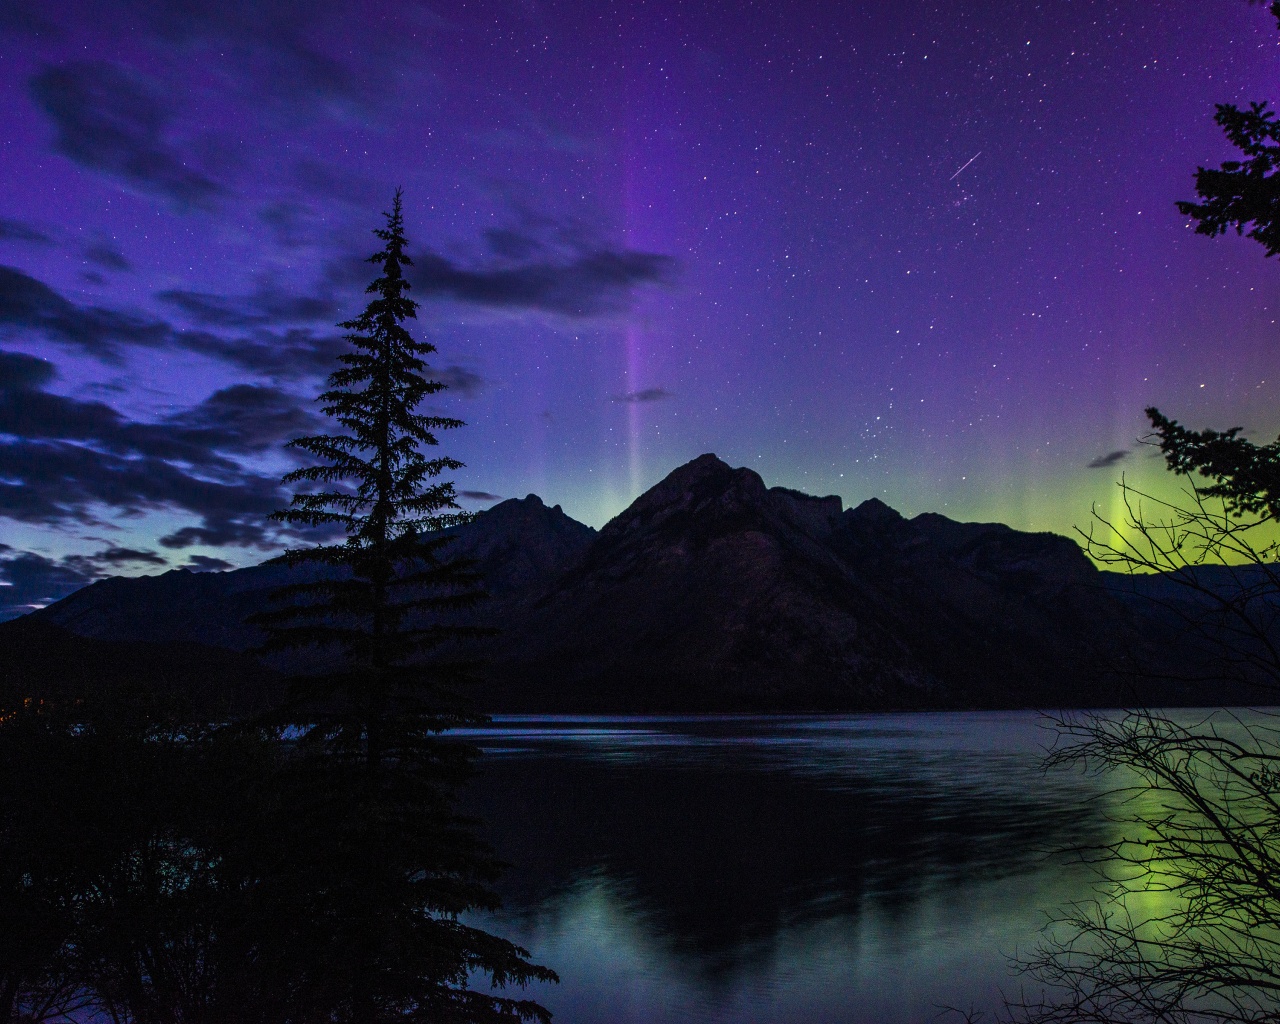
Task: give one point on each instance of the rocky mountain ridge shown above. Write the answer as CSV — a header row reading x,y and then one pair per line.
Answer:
x,y
714,592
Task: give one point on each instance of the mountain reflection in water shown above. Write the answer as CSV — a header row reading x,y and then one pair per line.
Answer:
x,y
864,868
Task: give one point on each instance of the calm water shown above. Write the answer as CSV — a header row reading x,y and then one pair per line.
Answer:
x,y
862,868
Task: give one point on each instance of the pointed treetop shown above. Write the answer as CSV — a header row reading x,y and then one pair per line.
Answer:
x,y
392,255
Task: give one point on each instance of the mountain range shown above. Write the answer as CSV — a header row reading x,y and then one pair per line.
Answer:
x,y
710,593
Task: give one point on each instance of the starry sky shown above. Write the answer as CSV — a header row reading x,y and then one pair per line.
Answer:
x,y
926,252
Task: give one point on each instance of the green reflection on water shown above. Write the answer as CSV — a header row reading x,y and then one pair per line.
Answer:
x,y
1185,919
823,870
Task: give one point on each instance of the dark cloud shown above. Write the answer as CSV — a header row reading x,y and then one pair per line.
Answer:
x,y
127,556
19,372
1108,460
108,561
109,120
273,330
28,305
63,460
512,244
54,483
284,355
459,380
246,418
206,563
216,532
646,395
19,231
107,258
600,281
269,304
32,581
276,328
332,182
292,224
276,35
480,495
243,419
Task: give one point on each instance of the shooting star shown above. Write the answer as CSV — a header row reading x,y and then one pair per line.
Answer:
x,y
969,161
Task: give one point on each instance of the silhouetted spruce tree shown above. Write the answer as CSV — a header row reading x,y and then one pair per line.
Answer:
x,y
378,865
386,494
1240,194
1243,192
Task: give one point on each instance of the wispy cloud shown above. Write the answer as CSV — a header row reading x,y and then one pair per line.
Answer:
x,y
268,304
207,563
248,339
33,580
27,304
459,380
20,231
114,122
601,281
1109,460
646,395
67,460
107,257
535,133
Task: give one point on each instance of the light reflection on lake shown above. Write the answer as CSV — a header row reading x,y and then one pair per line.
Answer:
x,y
862,868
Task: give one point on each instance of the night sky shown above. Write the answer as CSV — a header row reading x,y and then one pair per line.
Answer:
x,y
923,252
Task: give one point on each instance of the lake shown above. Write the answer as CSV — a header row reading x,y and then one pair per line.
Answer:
x,y
857,868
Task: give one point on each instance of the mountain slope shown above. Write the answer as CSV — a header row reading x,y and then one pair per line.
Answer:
x,y
518,545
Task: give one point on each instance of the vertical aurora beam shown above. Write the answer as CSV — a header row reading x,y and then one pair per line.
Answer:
x,y
636,479
634,335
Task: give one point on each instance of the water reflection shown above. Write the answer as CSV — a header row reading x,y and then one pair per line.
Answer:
x,y
742,869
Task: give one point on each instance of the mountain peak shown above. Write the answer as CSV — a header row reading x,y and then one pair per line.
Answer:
x,y
873,510
707,460
708,468
688,489
528,521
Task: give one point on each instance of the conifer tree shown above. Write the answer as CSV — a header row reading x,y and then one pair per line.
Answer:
x,y
1241,194
377,864
379,487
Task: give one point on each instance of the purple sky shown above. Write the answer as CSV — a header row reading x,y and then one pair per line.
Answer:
x,y
923,252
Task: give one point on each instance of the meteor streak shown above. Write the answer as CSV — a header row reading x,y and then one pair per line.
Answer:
x,y
969,161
